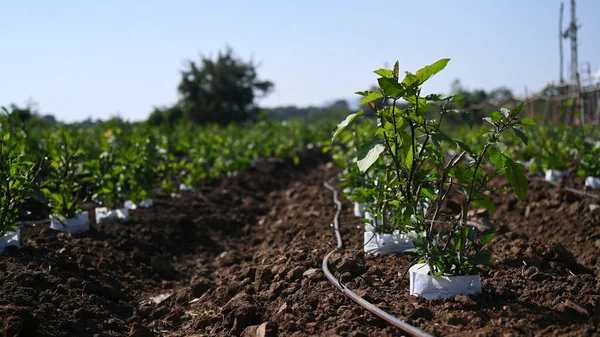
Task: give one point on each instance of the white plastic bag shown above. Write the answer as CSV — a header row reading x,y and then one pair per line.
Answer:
x,y
385,244
12,238
185,188
103,215
146,203
555,175
592,182
78,224
359,209
431,287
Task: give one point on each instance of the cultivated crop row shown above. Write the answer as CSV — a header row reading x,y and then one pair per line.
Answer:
x,y
51,172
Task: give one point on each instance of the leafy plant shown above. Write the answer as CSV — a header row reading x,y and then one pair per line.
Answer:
x,y
64,186
139,175
408,148
18,182
105,173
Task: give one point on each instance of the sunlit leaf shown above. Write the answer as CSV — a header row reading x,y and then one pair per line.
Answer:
x,y
340,127
368,153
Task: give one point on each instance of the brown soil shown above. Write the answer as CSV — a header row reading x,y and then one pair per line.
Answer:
x,y
242,256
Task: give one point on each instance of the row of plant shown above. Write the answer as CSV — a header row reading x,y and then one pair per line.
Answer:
x,y
401,162
555,150
119,164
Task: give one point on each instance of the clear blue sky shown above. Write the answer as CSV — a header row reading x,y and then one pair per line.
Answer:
x,y
99,58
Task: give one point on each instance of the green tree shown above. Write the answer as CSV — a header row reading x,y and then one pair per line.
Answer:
x,y
222,90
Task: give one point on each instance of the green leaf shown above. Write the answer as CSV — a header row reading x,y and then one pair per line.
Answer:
x,y
464,173
501,146
384,73
464,146
496,116
458,98
371,97
410,79
517,110
482,200
497,158
483,257
427,72
340,127
487,237
368,153
439,136
519,133
528,121
38,195
396,70
391,87
427,193
408,159
465,116
515,174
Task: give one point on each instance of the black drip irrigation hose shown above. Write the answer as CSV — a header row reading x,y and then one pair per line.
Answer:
x,y
568,189
352,295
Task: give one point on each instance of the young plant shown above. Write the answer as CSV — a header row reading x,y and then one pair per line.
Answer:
x,y
18,183
64,184
105,175
409,147
140,175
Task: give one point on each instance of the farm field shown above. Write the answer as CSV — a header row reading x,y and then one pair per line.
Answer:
x,y
247,250
233,230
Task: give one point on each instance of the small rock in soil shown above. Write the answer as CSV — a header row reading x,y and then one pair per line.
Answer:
x,y
456,320
352,266
295,274
174,317
464,300
240,312
312,271
572,307
422,312
200,285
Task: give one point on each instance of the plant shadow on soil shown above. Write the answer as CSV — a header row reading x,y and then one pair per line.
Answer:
x,y
242,256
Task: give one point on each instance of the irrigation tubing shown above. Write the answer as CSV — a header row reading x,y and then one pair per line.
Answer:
x,y
352,295
568,189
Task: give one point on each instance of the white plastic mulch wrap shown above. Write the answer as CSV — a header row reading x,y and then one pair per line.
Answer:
x,y
359,209
592,182
384,244
185,188
12,238
147,203
554,175
78,224
431,287
104,215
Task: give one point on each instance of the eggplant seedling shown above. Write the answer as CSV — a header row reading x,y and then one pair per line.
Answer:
x,y
408,148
